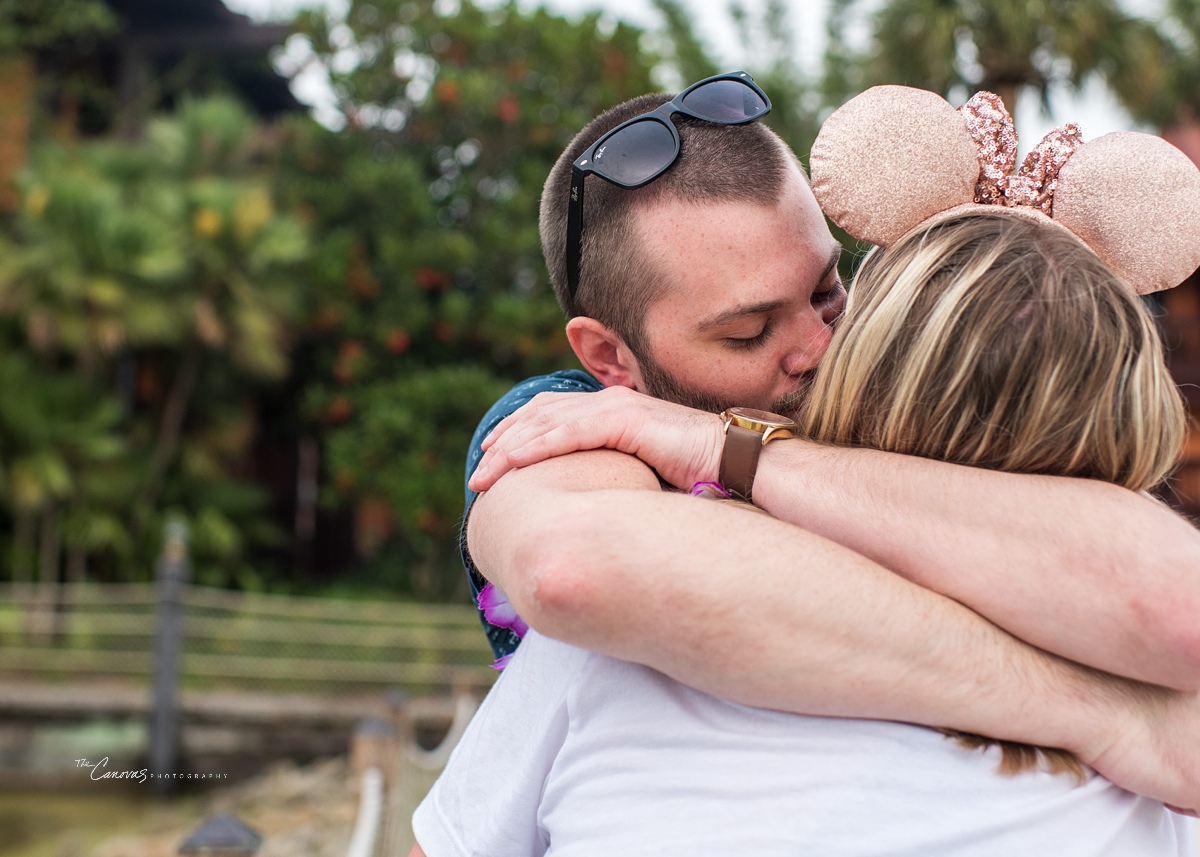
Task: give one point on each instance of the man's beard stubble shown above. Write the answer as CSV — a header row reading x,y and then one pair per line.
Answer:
x,y
663,385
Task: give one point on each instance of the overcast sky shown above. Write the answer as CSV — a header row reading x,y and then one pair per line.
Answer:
x,y
1094,110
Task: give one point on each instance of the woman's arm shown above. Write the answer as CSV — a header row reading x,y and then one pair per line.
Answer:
x,y
1081,568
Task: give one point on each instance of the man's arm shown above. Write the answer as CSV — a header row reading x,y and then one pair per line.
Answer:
x,y
754,610
1082,568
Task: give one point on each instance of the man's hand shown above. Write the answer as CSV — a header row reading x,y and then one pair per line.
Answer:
x,y
682,444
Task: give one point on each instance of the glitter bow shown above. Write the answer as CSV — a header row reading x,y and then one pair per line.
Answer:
x,y
991,127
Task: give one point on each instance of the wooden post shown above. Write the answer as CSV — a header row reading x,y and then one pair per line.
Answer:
x,y
17,80
373,746
133,81
397,821
172,574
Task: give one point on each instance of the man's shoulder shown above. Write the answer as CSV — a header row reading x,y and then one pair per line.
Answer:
x,y
503,640
566,381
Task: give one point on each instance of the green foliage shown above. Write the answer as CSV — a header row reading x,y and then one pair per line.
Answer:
x,y
27,25
1166,86
428,293
999,45
135,282
687,55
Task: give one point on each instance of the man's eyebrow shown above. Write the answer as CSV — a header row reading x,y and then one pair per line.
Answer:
x,y
743,310
738,312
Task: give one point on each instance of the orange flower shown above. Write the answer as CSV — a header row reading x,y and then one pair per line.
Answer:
x,y
351,349
207,222
398,341
432,280
508,109
339,410
446,91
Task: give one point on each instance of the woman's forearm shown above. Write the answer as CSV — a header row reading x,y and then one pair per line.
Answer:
x,y
1092,572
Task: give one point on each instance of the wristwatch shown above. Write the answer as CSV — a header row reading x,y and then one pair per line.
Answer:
x,y
747,431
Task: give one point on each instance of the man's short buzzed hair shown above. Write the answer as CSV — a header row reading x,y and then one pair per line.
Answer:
x,y
716,163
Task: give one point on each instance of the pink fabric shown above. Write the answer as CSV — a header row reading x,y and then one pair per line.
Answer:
x,y
499,611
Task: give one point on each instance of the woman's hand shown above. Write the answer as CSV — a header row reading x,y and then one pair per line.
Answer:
x,y
1156,750
682,444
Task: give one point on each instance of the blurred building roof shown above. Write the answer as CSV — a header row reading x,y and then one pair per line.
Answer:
x,y
187,23
163,50
208,34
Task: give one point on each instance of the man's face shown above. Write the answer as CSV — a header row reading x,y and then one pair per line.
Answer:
x,y
753,293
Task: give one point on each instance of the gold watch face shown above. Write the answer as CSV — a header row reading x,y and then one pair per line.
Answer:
x,y
752,419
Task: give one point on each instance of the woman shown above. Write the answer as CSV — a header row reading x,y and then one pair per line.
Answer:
x,y
984,339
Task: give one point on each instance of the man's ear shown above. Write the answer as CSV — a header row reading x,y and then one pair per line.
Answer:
x,y
603,353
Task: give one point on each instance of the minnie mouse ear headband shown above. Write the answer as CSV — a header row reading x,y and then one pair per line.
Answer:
x,y
895,158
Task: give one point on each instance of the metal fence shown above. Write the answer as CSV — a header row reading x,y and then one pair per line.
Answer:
x,y
240,640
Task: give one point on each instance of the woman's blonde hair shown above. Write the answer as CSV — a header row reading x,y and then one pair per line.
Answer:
x,y
994,341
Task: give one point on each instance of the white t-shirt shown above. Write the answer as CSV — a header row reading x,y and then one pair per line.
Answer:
x,y
574,753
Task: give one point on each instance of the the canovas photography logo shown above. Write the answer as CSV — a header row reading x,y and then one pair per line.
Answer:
x,y
100,771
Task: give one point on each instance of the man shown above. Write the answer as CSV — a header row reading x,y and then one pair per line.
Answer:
x,y
715,285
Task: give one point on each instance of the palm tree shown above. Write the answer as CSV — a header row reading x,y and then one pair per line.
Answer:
x,y
1005,46
1176,100
144,289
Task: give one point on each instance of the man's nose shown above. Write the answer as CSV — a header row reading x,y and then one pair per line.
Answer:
x,y
806,352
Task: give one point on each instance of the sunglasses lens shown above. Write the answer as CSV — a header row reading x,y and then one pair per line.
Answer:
x,y
726,101
635,154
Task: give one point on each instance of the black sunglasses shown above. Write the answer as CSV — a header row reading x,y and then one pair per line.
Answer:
x,y
640,150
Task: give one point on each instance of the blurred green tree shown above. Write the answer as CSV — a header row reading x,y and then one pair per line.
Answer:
x,y
1004,46
26,27
1172,97
144,290
429,294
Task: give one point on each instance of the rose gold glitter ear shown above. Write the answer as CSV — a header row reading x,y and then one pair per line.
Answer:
x,y
888,159
991,127
1135,200
1038,180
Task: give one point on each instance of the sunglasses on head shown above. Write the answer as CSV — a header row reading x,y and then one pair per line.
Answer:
x,y
640,150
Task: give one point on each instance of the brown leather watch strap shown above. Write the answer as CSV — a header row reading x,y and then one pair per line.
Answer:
x,y
739,460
